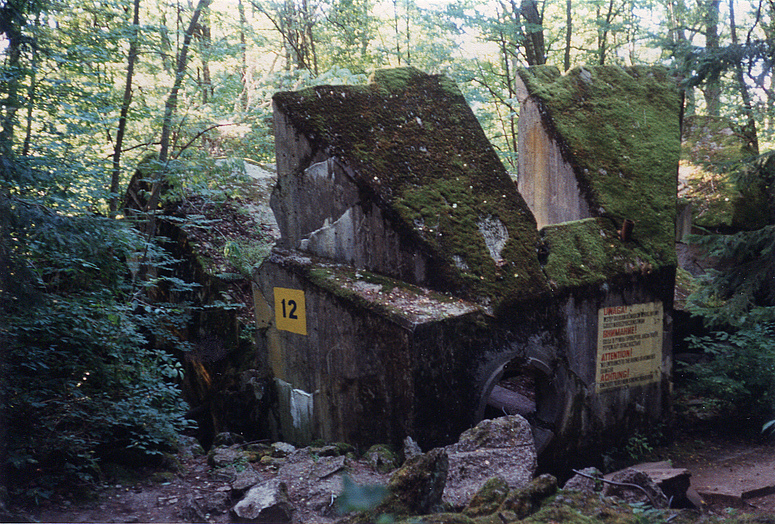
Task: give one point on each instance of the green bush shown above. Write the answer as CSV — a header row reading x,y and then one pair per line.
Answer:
x,y
80,382
737,381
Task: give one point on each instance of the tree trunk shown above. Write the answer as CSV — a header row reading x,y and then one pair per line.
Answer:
x,y
676,11
122,119
568,32
750,135
602,42
12,73
534,32
31,95
243,23
205,41
171,106
713,86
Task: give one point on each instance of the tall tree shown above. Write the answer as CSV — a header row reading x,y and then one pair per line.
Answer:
x,y
533,31
568,34
749,124
170,108
712,89
125,103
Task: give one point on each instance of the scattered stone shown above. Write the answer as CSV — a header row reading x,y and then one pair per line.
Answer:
x,y
582,482
200,507
245,480
411,448
190,447
313,482
222,457
331,450
503,432
488,499
381,458
327,466
417,487
444,518
675,483
268,460
265,503
227,439
282,449
499,447
160,477
633,486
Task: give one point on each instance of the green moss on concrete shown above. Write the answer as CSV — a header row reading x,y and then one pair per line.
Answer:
x,y
619,128
488,499
412,142
403,303
589,251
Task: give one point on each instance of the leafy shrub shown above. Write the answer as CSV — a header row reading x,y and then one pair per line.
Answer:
x,y
738,381
80,382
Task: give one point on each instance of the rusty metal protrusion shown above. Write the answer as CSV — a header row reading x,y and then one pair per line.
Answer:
x,y
625,233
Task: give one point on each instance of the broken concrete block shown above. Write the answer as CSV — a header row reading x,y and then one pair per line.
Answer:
x,y
265,503
502,447
417,487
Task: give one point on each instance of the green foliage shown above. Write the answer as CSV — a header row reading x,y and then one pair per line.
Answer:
x,y
737,382
81,382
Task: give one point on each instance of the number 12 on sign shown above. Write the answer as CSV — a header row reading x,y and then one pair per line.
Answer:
x,y
290,310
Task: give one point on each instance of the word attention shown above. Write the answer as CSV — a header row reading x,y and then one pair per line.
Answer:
x,y
629,345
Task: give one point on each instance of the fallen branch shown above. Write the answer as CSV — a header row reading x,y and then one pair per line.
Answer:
x,y
653,501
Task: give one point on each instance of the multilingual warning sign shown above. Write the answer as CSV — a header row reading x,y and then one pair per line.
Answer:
x,y
629,345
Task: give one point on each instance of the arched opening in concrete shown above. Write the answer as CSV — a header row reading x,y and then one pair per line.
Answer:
x,y
513,392
519,386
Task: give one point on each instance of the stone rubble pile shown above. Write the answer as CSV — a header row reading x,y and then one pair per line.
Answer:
x,y
490,470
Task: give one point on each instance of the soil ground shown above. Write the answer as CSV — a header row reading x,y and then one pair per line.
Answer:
x,y
731,474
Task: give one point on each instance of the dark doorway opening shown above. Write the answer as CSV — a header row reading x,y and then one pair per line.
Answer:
x,y
514,393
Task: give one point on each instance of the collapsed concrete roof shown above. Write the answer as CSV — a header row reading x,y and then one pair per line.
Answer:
x,y
612,139
390,193
411,142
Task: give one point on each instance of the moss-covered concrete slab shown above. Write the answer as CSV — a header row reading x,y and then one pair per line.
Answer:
x,y
413,146
399,301
619,130
590,252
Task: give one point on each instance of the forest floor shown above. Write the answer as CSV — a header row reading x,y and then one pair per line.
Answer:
x,y
734,476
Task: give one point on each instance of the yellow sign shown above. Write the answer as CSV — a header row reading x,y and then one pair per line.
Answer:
x,y
629,345
290,310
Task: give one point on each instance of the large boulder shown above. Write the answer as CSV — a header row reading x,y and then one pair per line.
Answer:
x,y
502,447
266,502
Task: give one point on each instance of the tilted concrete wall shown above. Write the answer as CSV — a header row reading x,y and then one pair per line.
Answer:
x,y
546,180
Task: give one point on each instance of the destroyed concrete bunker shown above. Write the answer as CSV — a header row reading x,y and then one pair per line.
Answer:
x,y
412,277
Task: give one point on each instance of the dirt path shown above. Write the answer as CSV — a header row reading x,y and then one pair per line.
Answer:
x,y
728,472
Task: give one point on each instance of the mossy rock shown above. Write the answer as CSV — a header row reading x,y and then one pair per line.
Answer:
x,y
381,458
526,501
160,477
488,499
417,487
440,518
